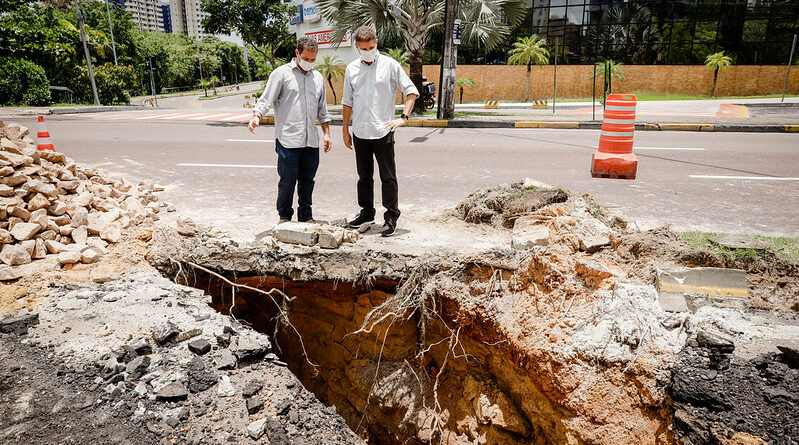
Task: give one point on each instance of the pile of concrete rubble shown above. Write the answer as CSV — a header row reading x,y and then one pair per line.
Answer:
x,y
51,206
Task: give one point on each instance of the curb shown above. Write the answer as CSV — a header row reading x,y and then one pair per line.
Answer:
x,y
68,110
575,125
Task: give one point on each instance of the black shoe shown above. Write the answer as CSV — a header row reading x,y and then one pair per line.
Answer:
x,y
389,227
360,221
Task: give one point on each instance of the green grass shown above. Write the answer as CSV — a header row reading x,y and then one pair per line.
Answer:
x,y
786,248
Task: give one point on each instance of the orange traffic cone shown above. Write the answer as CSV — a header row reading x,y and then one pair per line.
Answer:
x,y
615,158
43,136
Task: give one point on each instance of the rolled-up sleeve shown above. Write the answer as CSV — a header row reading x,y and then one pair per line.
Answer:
x,y
270,94
346,98
402,81
321,111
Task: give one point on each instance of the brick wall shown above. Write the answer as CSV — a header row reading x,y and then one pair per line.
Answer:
x,y
507,83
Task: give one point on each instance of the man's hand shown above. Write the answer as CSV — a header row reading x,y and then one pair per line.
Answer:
x,y
328,143
347,138
254,122
396,123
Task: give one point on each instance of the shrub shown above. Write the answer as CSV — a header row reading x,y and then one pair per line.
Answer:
x,y
23,82
114,84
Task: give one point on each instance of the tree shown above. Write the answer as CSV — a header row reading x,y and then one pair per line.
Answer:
x,y
260,23
399,55
528,51
486,22
462,82
717,62
330,67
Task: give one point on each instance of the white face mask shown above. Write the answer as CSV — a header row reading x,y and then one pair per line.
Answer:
x,y
368,56
306,66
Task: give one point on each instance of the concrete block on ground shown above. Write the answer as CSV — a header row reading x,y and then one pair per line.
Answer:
x,y
331,237
297,233
687,288
532,183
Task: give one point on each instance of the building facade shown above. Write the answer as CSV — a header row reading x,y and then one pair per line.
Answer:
x,y
308,22
753,32
147,14
187,17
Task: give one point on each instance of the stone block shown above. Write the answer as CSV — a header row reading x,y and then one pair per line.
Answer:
x,y
297,233
530,236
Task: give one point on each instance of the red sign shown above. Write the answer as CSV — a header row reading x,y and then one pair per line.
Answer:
x,y
324,37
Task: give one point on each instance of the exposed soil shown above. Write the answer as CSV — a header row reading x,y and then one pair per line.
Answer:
x,y
773,282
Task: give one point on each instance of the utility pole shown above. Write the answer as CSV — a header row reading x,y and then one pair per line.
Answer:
x,y
111,28
200,63
449,61
149,63
790,61
555,78
83,39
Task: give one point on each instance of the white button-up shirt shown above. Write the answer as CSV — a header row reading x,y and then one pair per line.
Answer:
x,y
371,91
299,100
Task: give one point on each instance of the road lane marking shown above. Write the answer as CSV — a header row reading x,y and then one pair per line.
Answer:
x,y
249,140
190,164
238,116
159,116
179,116
209,117
759,178
670,148
635,148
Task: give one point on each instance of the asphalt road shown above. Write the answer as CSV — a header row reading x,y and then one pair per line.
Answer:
x,y
217,172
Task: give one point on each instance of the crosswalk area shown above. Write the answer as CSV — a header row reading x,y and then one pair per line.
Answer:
x,y
164,115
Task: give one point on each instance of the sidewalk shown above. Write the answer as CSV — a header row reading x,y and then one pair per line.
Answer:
x,y
742,115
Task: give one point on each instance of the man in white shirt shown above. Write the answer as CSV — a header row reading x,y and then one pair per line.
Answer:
x,y
370,89
298,94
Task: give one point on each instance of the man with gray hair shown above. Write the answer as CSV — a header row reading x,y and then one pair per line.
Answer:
x,y
297,92
370,90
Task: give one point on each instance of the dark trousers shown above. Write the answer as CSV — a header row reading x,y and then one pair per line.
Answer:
x,y
296,166
366,152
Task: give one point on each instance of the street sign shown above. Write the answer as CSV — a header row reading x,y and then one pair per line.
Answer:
x,y
456,32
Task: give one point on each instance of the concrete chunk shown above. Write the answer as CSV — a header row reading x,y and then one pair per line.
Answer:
x,y
297,233
530,236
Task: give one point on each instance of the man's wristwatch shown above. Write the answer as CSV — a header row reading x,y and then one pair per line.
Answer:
x,y
404,116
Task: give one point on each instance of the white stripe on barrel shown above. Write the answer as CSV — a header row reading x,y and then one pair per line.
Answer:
x,y
608,120
616,134
620,107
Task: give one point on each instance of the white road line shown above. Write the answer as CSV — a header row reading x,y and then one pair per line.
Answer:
x,y
249,140
668,148
759,178
159,116
238,116
179,116
209,117
188,164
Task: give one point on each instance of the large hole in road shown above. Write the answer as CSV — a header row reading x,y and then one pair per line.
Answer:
x,y
404,376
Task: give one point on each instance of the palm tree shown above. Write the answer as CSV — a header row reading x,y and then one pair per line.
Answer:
x,y
717,62
486,22
96,39
399,55
528,51
462,82
616,69
330,67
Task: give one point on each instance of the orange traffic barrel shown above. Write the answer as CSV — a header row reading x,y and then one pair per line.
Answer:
x,y
43,136
614,158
